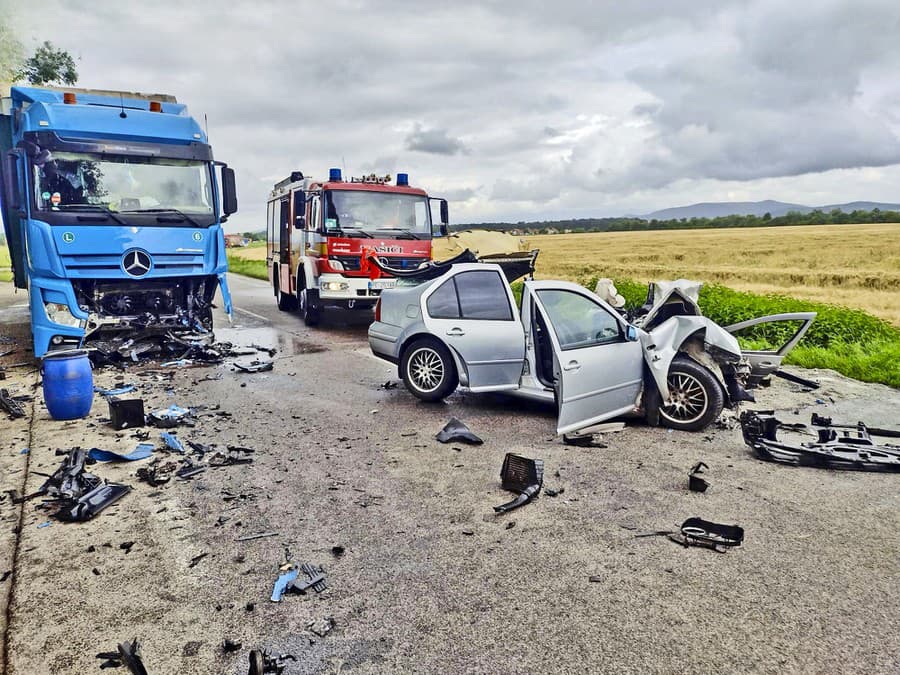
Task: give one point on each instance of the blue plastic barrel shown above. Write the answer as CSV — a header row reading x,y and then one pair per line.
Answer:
x,y
68,384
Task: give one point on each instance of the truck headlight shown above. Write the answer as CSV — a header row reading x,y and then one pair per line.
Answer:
x,y
61,314
335,286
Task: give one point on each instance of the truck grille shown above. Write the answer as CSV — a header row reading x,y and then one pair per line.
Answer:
x,y
105,266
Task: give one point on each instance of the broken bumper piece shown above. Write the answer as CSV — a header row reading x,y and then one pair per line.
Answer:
x,y
705,533
844,448
90,504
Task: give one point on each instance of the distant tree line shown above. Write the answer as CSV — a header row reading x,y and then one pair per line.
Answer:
x,y
815,217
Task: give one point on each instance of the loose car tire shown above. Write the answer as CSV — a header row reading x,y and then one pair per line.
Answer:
x,y
428,371
308,299
695,397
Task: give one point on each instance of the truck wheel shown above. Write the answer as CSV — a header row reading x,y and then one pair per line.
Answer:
x,y
286,301
308,299
695,397
428,371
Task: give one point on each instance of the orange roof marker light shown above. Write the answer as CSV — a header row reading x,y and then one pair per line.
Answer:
x,y
155,106
69,97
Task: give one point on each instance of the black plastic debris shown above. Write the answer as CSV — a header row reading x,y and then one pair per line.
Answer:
x,y
456,431
696,482
126,413
128,654
263,663
9,404
189,470
796,379
707,534
70,480
231,646
254,366
837,447
91,503
584,440
822,421
315,580
390,384
522,475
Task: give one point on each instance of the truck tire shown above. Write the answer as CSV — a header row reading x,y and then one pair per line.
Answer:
x,y
696,398
286,301
428,370
308,300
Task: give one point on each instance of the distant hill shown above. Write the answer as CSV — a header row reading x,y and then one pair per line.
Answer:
x,y
773,208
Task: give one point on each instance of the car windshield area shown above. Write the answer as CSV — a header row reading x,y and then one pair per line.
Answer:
x,y
74,180
383,214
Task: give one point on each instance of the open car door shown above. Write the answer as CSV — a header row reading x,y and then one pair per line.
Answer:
x,y
598,364
785,330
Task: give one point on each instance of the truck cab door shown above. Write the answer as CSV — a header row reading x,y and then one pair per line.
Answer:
x,y
473,312
597,363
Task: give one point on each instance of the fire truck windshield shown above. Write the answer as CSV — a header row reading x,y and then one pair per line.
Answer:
x,y
365,213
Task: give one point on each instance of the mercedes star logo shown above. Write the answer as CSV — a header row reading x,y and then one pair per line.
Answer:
x,y
136,263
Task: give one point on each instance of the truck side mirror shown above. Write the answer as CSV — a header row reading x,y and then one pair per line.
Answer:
x,y
11,181
445,213
444,230
299,209
229,194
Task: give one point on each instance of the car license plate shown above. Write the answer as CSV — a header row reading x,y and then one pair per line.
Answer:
x,y
381,284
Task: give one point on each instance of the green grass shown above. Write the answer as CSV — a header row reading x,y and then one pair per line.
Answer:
x,y
850,341
5,264
249,268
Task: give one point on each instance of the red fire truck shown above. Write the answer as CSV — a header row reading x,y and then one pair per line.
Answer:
x,y
321,233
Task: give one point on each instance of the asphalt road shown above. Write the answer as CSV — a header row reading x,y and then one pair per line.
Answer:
x,y
429,579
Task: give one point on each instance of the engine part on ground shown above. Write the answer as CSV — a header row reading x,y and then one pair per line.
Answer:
x,y
263,663
853,449
696,483
796,379
457,431
522,475
126,413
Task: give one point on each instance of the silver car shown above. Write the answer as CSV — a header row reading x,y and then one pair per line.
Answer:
x,y
563,344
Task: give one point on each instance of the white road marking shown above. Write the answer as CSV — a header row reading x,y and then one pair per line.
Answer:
x,y
253,314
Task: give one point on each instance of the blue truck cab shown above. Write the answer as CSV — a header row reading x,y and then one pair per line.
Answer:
x,y
113,209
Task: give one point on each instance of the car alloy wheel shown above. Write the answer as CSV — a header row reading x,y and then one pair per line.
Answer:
x,y
426,369
687,402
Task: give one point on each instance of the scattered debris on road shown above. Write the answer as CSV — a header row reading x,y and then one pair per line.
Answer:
x,y
254,366
263,663
522,475
11,404
852,449
696,482
141,451
128,654
455,430
126,413
704,533
796,379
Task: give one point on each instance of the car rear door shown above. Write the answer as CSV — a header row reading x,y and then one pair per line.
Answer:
x,y
785,330
598,370
474,313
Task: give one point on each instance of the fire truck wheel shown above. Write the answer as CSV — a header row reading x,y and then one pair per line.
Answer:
x,y
310,309
286,301
428,371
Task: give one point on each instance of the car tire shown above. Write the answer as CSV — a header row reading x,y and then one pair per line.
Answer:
x,y
696,398
428,370
308,301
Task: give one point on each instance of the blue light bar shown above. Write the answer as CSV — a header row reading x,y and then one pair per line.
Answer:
x,y
334,174
402,179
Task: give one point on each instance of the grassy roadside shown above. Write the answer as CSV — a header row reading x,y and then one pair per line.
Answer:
x,y
249,268
5,264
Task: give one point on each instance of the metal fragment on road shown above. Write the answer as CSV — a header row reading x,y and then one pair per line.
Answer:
x,y
250,537
456,430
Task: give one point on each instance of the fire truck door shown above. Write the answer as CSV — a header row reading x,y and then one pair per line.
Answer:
x,y
285,226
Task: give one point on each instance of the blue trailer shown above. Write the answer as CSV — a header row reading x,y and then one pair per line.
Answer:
x,y
113,209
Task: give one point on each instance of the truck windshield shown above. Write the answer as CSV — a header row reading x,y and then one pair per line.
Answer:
x,y
122,183
402,216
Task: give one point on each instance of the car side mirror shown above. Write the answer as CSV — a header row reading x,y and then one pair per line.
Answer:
x,y
631,333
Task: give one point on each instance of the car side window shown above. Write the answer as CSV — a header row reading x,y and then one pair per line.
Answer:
x,y
443,303
578,321
482,295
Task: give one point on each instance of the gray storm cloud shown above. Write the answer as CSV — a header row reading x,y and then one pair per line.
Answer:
x,y
593,108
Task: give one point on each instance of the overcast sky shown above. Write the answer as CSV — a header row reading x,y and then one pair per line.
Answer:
x,y
518,110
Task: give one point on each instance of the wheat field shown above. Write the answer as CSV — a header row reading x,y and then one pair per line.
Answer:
x,y
855,266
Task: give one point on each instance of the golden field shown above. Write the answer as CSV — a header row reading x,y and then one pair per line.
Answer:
x,y
857,266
